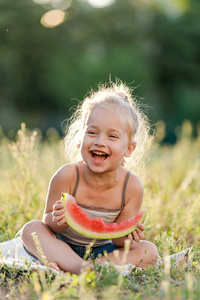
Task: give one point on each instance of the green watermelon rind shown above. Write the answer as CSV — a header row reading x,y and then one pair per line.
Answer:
x,y
66,199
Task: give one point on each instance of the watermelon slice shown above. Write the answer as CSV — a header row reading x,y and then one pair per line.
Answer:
x,y
97,228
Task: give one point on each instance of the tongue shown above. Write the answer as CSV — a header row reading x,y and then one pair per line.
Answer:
x,y
99,157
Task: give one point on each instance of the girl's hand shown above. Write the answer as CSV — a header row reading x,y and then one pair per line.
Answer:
x,y
138,234
58,215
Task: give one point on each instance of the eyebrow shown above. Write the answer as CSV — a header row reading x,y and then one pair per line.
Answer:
x,y
108,129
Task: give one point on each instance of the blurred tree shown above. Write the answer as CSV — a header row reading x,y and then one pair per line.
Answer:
x,y
43,71
177,65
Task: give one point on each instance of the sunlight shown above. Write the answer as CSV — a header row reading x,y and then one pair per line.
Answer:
x,y
173,7
100,3
57,4
53,18
61,4
41,1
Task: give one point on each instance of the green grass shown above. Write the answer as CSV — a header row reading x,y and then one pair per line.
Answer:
x,y
171,197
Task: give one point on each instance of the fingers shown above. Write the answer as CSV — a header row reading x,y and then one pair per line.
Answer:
x,y
58,206
130,237
60,220
58,215
141,226
136,235
140,234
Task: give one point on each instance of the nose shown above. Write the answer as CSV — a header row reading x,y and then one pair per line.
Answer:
x,y
100,140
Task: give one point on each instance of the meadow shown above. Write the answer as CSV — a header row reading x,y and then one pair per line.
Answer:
x,y
171,197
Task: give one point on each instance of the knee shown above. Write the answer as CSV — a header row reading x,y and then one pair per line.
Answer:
x,y
147,250
150,249
29,228
150,254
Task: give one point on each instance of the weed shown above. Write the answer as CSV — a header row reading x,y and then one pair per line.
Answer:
x,y
172,200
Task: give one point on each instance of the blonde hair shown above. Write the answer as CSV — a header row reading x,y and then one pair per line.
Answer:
x,y
120,95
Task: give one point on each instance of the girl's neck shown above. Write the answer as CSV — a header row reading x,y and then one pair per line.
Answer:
x,y
100,180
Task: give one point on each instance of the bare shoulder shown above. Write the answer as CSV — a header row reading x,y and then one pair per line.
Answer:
x,y
64,178
134,190
133,198
67,170
135,184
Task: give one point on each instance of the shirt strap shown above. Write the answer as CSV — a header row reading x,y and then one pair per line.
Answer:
x,y
123,191
77,181
124,188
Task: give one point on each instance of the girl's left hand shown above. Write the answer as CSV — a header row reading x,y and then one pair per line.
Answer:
x,y
138,234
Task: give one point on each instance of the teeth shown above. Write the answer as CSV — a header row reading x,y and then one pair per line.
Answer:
x,y
98,153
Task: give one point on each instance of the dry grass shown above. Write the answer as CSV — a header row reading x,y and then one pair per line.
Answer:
x,y
172,198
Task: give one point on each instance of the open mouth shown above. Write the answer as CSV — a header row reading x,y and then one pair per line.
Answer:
x,y
98,156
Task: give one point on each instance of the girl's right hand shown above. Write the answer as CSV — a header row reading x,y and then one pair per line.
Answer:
x,y
138,234
58,215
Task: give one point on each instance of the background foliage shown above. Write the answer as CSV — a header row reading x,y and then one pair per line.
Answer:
x,y
153,45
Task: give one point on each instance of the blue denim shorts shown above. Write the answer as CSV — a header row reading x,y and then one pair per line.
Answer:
x,y
94,251
81,250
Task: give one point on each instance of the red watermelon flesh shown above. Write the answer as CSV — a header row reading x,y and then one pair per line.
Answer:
x,y
96,227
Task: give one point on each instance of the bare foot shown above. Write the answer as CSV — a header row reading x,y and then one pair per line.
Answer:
x,y
54,266
87,267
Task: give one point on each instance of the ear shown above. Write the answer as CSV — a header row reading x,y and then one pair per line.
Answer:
x,y
131,148
78,146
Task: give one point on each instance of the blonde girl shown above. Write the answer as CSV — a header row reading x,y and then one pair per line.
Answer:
x,y
108,134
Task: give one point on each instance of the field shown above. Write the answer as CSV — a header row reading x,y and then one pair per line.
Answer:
x,y
172,199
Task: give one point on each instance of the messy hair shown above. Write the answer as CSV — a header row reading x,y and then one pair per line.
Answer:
x,y
119,95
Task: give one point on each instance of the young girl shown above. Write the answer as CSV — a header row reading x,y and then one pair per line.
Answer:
x,y
106,129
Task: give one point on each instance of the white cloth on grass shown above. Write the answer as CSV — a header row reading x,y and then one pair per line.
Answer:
x,y
13,255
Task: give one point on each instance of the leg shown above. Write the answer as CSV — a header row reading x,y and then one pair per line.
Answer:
x,y
140,254
55,251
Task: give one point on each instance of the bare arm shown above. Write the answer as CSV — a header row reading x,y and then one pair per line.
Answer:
x,y
61,182
132,206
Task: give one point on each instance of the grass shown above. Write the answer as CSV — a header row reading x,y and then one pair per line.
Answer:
x,y
171,197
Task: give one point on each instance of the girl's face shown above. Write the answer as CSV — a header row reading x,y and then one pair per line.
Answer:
x,y
105,141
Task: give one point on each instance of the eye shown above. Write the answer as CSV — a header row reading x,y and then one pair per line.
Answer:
x,y
113,136
91,132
